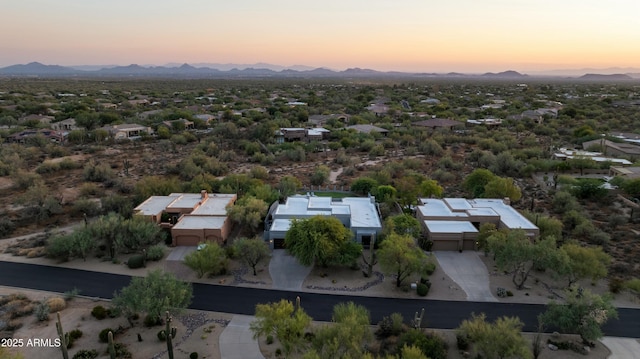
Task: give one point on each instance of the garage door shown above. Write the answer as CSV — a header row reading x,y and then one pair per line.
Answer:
x,y
441,245
469,245
187,240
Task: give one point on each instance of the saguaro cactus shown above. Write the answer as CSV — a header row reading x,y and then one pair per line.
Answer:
x,y
126,165
169,333
64,339
112,348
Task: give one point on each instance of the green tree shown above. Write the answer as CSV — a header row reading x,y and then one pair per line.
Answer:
x,y
632,187
430,188
385,193
549,227
584,314
403,224
516,253
348,334
251,251
502,339
363,185
475,182
430,344
283,320
584,262
320,175
210,259
40,202
154,186
500,187
400,255
248,212
589,188
288,186
322,240
154,294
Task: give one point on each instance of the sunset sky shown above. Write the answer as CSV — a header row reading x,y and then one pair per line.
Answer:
x,y
403,35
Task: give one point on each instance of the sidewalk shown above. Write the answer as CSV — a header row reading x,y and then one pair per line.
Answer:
x,y
236,340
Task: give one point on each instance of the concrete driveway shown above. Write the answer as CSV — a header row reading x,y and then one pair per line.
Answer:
x,y
236,340
286,273
469,272
622,348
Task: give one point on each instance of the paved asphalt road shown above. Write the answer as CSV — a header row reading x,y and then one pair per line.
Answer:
x,y
239,300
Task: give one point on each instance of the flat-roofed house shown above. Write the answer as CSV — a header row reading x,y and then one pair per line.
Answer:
x,y
192,217
127,131
359,214
453,223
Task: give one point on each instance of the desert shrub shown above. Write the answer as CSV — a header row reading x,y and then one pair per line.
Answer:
x,y
151,321
97,172
72,336
431,344
23,310
56,304
89,189
122,352
390,326
24,180
431,148
462,341
422,289
99,312
68,164
269,339
429,268
193,355
86,354
70,294
85,206
42,311
161,335
13,325
278,353
633,285
443,176
179,139
103,336
6,226
155,253
47,167
137,261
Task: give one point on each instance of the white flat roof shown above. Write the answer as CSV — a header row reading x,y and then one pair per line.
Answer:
x,y
185,200
458,204
215,205
154,205
280,225
200,222
508,215
362,210
478,207
450,227
437,207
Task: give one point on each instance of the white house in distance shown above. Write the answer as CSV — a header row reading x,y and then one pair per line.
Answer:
x,y
359,214
452,223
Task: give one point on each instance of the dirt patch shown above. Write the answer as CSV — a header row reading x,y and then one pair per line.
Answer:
x,y
196,331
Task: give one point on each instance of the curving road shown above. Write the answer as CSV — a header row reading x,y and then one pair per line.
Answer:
x,y
240,300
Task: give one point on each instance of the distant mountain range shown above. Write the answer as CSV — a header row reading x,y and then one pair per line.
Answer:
x,y
36,69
